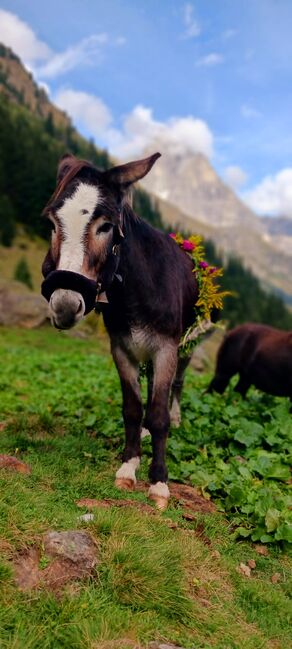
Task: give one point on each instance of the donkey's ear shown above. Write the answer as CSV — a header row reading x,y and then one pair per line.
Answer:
x,y
125,175
65,163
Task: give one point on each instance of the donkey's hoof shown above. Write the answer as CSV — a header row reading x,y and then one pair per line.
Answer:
x,y
159,493
125,483
160,502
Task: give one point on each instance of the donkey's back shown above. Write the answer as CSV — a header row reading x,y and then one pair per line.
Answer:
x,y
261,355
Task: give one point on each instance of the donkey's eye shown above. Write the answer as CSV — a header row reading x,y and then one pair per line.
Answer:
x,y
105,227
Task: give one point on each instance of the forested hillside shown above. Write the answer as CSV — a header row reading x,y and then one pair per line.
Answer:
x,y
30,148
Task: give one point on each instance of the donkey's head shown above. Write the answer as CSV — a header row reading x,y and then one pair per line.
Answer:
x,y
85,212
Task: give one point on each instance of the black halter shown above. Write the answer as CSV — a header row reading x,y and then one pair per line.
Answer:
x,y
93,292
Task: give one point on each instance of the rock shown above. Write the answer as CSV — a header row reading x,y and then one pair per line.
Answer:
x,y
86,517
68,556
21,307
12,463
77,546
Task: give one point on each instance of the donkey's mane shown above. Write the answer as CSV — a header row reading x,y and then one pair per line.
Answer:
x,y
75,167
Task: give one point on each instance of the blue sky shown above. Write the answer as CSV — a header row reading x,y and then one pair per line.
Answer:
x,y
214,74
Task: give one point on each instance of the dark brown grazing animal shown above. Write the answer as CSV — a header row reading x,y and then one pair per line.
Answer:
x,y
261,355
99,247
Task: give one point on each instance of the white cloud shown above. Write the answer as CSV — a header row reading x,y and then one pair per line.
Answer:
x,y
192,27
85,52
37,56
138,129
235,177
273,195
248,112
210,59
85,109
15,33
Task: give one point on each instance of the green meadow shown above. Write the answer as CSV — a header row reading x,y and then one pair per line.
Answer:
x,y
160,576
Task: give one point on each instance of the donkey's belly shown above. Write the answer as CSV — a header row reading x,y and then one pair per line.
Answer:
x,y
143,343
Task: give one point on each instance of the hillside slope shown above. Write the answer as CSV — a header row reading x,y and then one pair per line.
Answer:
x,y
200,200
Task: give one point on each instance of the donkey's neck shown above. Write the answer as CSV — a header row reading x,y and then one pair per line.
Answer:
x,y
158,286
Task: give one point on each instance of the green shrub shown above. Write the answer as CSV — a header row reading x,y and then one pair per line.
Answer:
x,y
22,273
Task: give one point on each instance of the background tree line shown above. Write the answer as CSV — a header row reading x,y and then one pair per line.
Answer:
x,y
30,149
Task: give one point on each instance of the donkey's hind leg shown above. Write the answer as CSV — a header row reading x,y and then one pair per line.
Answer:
x,y
176,390
242,385
157,420
132,414
219,383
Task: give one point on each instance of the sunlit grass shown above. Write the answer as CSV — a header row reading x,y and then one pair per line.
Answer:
x,y
60,413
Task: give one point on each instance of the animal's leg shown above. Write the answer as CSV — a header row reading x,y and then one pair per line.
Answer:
x,y
242,385
145,432
219,383
132,414
157,421
176,390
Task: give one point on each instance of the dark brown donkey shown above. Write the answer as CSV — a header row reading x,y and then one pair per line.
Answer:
x,y
100,250
261,355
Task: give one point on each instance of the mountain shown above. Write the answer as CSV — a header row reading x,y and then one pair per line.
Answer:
x,y
18,85
202,202
278,232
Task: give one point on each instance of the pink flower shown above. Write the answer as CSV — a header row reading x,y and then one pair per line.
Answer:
x,y
203,264
187,245
212,269
172,235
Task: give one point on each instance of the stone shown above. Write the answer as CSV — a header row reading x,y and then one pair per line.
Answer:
x,y
86,518
19,306
66,557
77,546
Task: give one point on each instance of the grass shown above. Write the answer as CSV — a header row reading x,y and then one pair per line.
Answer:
x,y
32,250
61,413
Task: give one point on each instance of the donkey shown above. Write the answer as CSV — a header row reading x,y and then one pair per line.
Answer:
x,y
102,254
261,355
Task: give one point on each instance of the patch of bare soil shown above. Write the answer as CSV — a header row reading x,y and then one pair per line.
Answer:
x,y
188,498
67,556
106,503
12,463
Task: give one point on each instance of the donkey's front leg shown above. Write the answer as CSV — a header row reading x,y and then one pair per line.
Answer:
x,y
132,414
157,420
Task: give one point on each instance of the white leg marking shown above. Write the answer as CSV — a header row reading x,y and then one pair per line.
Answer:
x,y
145,433
127,470
175,415
159,492
159,489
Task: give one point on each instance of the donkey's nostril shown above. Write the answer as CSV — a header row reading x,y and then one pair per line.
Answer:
x,y
80,307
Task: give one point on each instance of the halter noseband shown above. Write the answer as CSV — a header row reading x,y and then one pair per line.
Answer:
x,y
93,292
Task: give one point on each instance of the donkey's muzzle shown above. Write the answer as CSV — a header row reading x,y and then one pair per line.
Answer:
x,y
66,279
